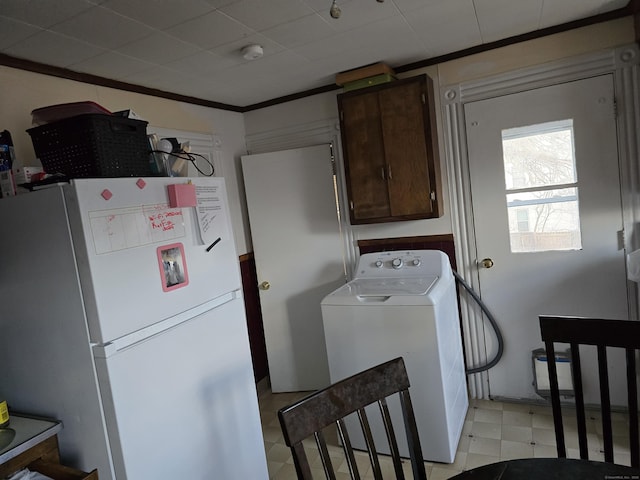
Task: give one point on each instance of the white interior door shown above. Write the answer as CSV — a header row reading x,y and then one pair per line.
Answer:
x,y
299,258
547,212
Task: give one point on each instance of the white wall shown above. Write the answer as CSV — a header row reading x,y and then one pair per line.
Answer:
x,y
24,91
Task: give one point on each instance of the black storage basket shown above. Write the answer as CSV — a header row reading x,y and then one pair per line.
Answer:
x,y
93,145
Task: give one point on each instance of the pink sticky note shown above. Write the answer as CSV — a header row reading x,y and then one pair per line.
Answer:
x,y
182,195
106,194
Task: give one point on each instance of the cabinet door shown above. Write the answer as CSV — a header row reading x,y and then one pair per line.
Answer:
x,y
405,149
390,147
365,166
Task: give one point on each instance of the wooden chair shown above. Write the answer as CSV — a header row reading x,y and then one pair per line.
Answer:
x,y
309,416
601,333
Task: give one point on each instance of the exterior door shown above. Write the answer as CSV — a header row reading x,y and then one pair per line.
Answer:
x,y
299,258
547,215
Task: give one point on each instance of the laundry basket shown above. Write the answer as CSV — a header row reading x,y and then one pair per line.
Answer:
x,y
93,145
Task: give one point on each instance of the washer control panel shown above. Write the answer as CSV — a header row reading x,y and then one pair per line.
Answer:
x,y
412,263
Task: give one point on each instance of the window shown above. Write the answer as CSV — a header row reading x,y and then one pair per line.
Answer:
x,y
541,187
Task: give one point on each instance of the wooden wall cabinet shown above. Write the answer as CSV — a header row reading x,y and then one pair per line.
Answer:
x,y
390,147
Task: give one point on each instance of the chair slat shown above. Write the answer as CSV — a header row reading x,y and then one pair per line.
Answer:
x,y
371,444
324,456
555,399
605,404
581,418
391,438
300,461
413,439
347,448
632,394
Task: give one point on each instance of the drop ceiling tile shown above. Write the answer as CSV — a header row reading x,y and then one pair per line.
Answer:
x,y
210,30
160,14
220,3
177,82
13,31
406,6
111,65
556,12
446,26
43,13
279,65
154,77
158,48
304,30
238,75
54,49
204,63
334,46
103,27
500,19
260,15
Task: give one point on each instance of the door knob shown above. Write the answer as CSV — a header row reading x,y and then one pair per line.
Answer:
x,y
486,262
265,285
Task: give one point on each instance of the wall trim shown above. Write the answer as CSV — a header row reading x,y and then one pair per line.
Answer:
x,y
623,64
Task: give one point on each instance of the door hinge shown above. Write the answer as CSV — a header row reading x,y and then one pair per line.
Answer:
x,y
432,196
615,108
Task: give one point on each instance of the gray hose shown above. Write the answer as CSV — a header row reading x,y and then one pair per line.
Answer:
x,y
493,322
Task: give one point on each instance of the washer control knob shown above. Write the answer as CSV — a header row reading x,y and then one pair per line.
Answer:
x,y
379,263
416,262
397,263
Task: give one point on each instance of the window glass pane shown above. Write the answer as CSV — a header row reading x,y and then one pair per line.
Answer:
x,y
544,220
539,155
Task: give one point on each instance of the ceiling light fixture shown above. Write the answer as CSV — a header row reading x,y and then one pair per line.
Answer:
x,y
335,11
252,52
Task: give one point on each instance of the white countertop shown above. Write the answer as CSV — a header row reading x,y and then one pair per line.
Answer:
x,y
29,431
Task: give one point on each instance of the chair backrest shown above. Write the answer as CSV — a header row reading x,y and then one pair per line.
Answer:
x,y
311,415
600,333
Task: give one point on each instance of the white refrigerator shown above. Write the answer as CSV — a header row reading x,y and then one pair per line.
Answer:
x,y
122,315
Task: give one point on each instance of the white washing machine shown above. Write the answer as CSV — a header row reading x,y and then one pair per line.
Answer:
x,y
403,304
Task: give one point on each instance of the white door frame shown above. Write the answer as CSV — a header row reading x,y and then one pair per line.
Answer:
x,y
623,62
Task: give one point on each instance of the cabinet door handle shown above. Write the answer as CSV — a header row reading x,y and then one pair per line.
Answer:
x,y
382,173
389,172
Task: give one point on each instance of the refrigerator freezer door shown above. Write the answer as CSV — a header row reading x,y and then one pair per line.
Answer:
x,y
141,261
183,403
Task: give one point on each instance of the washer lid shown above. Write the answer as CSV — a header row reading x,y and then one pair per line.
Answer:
x,y
378,287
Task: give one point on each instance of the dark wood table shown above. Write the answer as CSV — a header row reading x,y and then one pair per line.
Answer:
x,y
550,469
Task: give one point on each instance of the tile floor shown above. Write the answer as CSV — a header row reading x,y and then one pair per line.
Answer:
x,y
493,431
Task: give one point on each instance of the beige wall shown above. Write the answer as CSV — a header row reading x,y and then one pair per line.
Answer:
x,y
24,91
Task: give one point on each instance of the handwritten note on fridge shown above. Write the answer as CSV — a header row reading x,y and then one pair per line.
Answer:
x,y
131,227
211,213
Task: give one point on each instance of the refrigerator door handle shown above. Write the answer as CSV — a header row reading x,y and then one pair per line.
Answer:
x,y
105,350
